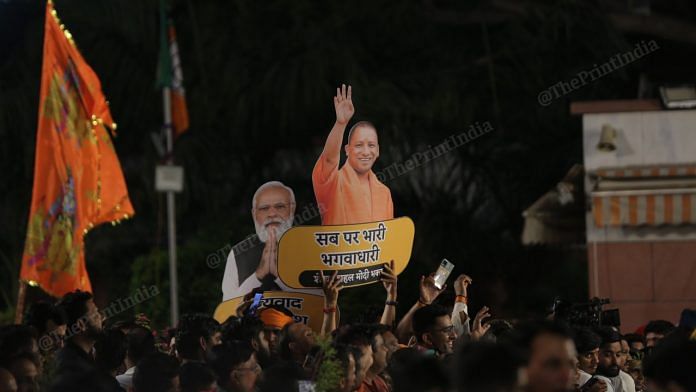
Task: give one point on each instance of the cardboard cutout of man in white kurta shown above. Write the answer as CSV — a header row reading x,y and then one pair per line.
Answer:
x,y
253,262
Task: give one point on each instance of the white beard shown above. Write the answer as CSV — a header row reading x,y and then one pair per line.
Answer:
x,y
262,229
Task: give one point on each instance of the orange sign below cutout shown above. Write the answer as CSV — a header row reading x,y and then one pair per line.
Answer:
x,y
306,308
359,252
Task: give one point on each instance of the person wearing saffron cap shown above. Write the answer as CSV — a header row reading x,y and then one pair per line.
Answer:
x,y
351,194
274,319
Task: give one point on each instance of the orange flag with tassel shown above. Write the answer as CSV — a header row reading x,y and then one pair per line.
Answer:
x,y
78,182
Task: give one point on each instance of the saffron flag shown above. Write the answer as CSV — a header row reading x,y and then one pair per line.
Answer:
x,y
170,75
78,182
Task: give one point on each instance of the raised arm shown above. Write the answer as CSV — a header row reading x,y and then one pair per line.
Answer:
x,y
460,311
428,294
389,280
331,287
343,104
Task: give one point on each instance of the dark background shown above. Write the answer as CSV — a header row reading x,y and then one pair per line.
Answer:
x,y
260,77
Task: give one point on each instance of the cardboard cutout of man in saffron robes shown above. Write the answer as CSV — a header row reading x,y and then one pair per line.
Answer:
x,y
351,194
343,200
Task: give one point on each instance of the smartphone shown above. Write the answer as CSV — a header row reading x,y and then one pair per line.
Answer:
x,y
255,304
442,273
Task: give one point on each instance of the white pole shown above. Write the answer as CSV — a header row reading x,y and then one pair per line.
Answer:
x,y
171,212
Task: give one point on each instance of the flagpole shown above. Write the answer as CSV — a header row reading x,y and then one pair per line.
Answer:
x,y
171,211
21,296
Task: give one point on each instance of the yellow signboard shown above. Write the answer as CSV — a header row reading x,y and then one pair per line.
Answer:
x,y
359,252
306,308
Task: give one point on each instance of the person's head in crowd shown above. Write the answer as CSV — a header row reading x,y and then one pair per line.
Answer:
x,y
487,366
196,377
251,330
110,351
670,367
635,370
656,330
296,340
274,318
625,354
230,328
433,328
282,376
47,320
273,206
346,359
587,346
84,322
26,368
411,371
196,335
391,342
7,381
16,339
636,344
139,343
610,352
236,367
362,355
359,337
380,350
157,372
551,355
498,329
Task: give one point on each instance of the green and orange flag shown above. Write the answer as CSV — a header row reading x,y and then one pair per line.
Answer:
x,y
78,182
169,72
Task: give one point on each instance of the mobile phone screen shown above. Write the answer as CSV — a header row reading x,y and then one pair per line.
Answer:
x,y
443,272
255,305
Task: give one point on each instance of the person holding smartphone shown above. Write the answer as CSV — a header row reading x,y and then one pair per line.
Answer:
x,y
430,324
428,292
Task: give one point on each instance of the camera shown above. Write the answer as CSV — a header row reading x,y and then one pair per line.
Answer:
x,y
587,314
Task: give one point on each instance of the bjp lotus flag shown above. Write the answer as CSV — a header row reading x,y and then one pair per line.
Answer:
x,y
78,182
169,73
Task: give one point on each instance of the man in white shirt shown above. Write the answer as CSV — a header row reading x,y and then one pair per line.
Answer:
x,y
252,263
587,344
611,359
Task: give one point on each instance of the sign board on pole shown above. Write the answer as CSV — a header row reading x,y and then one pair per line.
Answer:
x,y
169,178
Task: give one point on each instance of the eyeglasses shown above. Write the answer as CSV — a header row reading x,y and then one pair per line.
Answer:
x,y
447,330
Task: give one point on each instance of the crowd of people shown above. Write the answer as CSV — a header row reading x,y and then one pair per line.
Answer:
x,y
68,346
